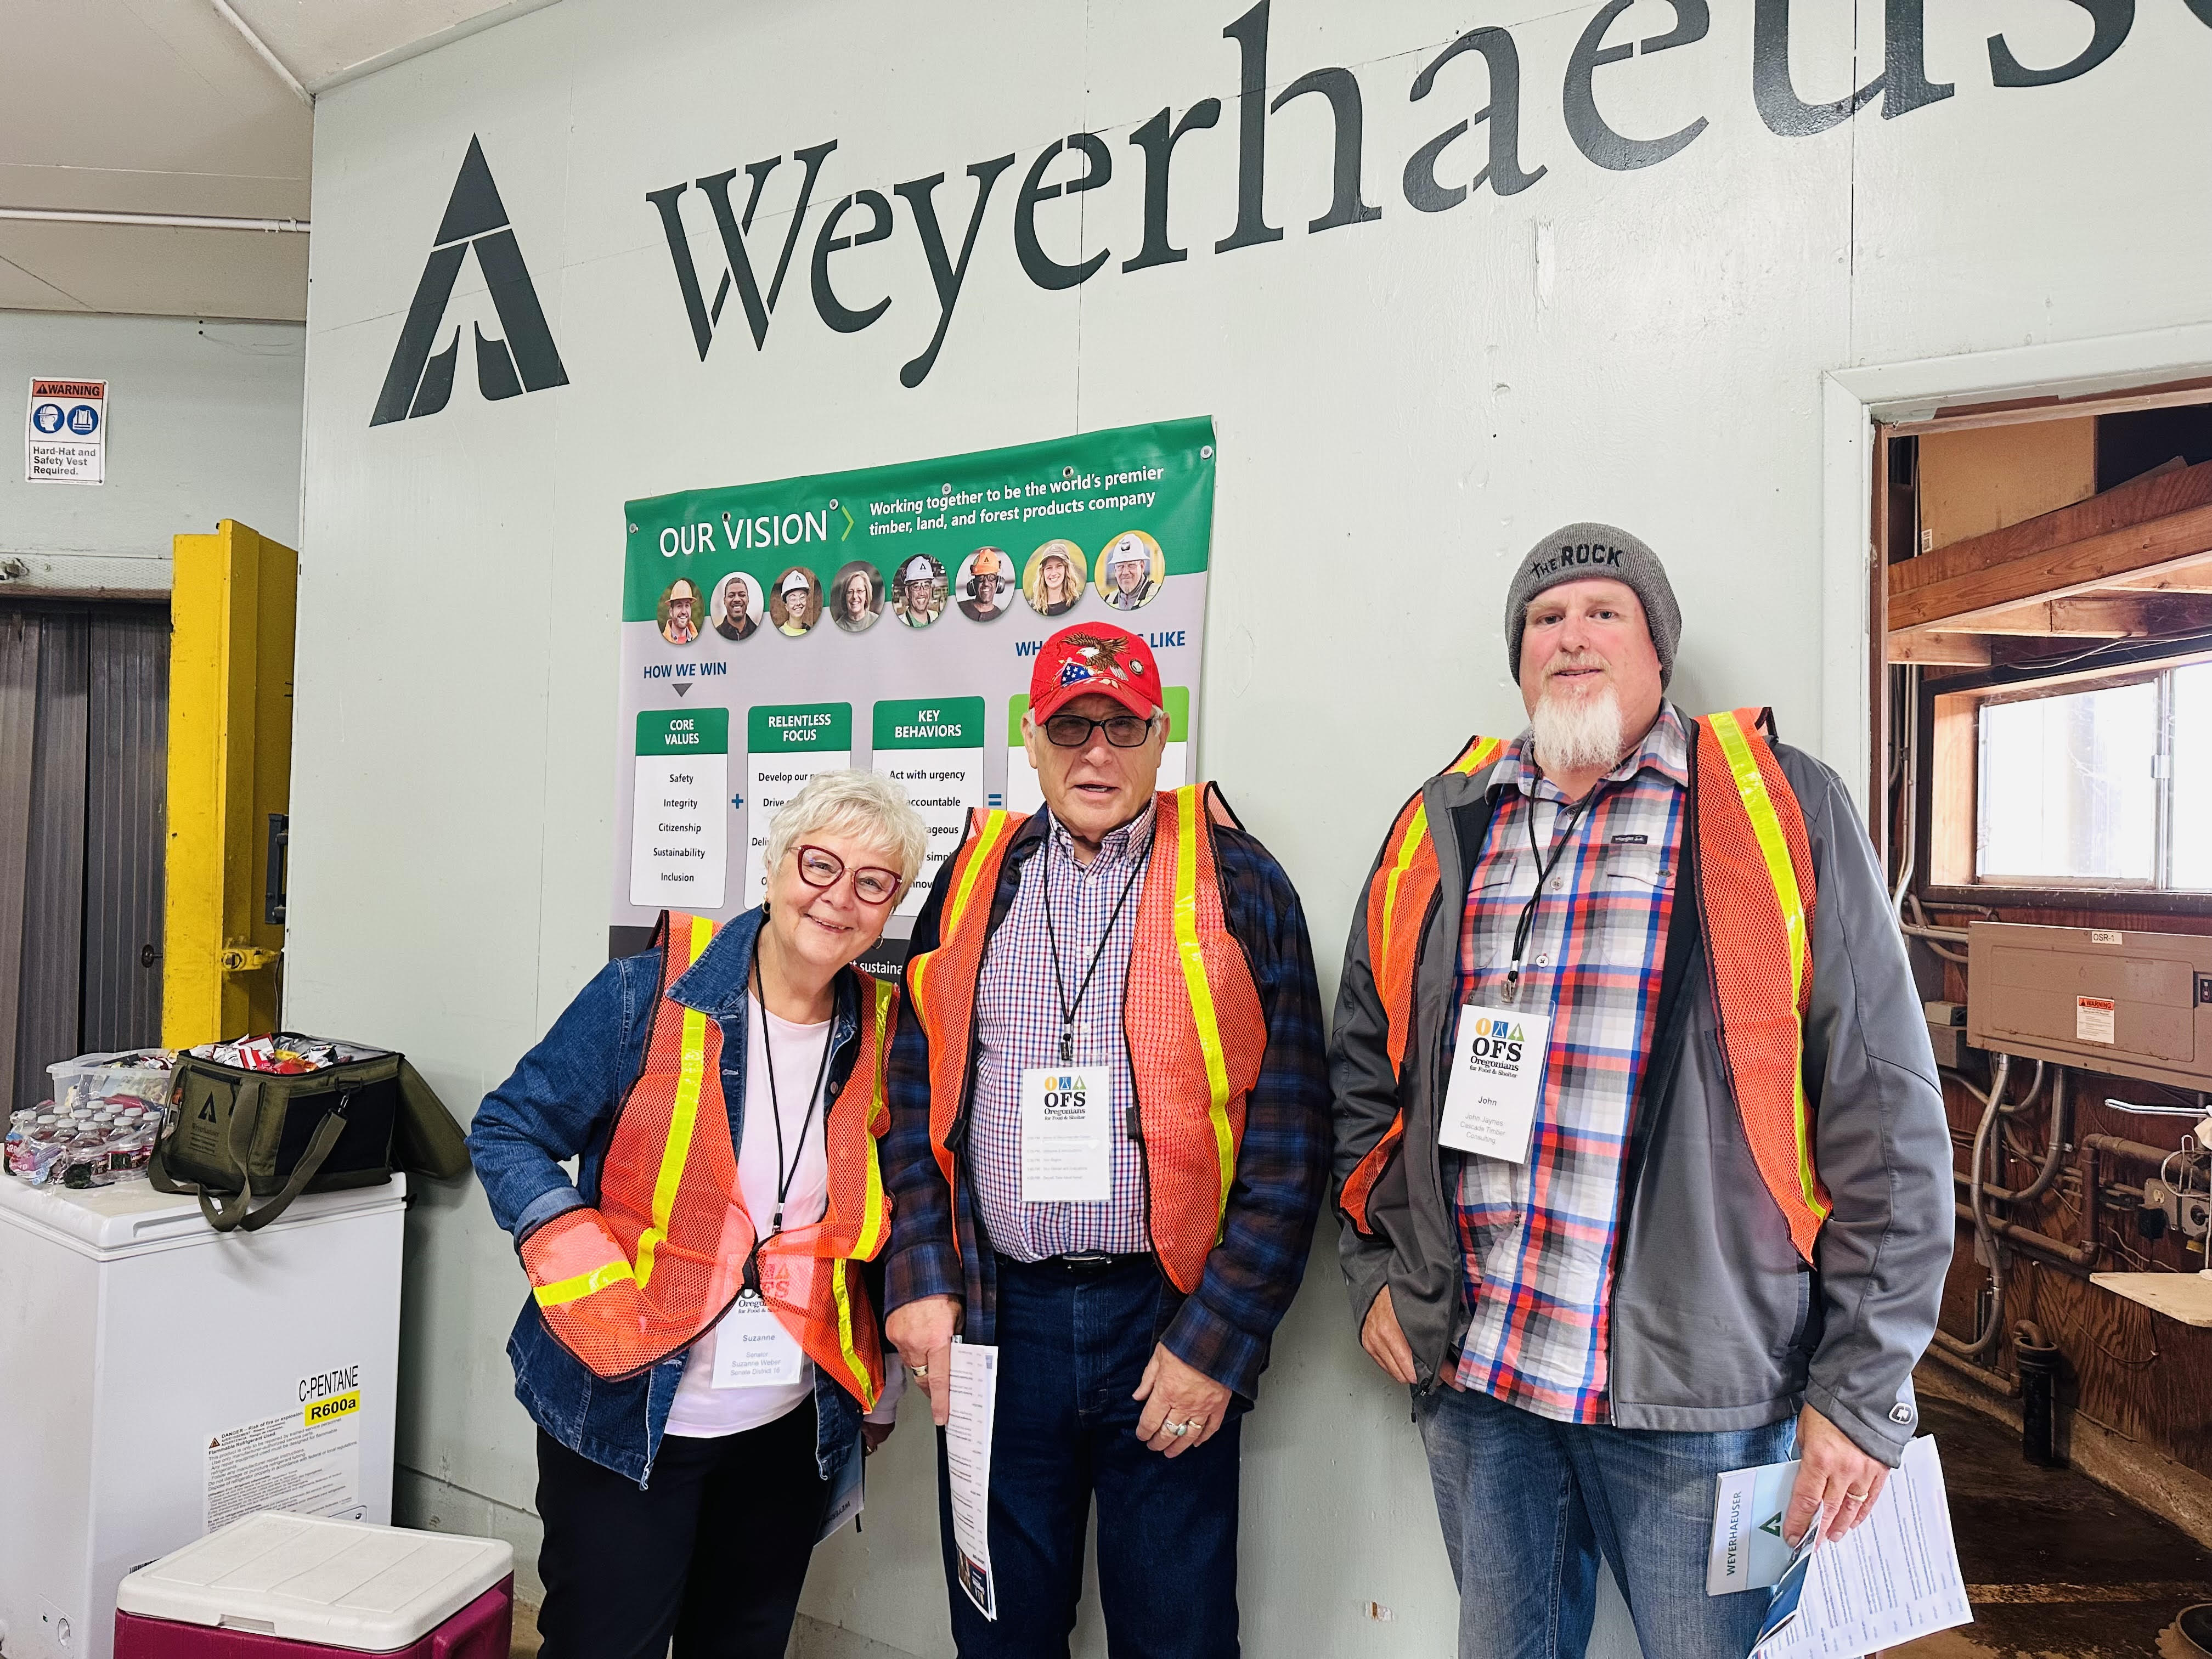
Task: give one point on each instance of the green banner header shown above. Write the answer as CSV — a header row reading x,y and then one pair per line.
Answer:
x,y
1088,490
942,723
677,731
799,728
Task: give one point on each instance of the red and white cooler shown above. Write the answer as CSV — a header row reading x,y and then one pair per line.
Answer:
x,y
279,1586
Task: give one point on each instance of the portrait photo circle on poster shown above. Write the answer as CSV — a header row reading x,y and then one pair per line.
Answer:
x,y
682,612
985,584
1052,580
794,604
919,590
1131,568
736,608
856,597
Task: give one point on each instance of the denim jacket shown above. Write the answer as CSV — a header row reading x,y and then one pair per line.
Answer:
x,y
561,1103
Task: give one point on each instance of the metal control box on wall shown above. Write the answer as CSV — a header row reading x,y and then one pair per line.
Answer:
x,y
2122,1001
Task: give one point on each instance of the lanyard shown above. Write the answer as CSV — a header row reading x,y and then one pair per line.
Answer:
x,y
1544,868
784,1175
1069,1010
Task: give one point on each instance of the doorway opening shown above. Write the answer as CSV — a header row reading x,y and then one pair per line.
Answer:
x,y
84,721
2041,795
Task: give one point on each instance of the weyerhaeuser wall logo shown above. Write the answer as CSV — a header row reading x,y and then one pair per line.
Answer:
x,y
526,360
1475,83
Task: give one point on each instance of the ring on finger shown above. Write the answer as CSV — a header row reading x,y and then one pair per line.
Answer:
x,y
920,1371
1857,1497
1178,1430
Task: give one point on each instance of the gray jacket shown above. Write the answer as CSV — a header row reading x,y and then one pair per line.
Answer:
x,y
1716,1322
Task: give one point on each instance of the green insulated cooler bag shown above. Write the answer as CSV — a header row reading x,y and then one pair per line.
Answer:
x,y
234,1134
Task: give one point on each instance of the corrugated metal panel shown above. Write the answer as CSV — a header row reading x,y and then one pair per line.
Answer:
x,y
49,1019
18,715
127,788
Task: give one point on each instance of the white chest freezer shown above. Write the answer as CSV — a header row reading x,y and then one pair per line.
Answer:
x,y
159,1380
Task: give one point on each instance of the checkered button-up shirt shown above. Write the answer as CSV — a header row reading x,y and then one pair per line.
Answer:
x,y
1537,1238
1018,1017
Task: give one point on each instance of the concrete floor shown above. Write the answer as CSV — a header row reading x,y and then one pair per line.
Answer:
x,y
2056,1565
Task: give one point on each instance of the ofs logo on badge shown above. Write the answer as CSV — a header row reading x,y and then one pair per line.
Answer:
x,y
526,360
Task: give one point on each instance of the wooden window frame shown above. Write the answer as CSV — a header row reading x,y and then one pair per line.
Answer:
x,y
1947,717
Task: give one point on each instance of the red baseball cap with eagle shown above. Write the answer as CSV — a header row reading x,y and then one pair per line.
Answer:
x,y
1088,657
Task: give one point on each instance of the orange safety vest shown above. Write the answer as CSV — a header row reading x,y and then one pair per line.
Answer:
x,y
1755,896
1191,1013
661,1260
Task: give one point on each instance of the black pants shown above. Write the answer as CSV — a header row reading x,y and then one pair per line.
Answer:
x,y
713,1552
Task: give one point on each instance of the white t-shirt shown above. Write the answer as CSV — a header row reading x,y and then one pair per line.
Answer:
x,y
701,1410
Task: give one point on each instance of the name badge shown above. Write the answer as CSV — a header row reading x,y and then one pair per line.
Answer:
x,y
752,1350
1068,1149
1496,1078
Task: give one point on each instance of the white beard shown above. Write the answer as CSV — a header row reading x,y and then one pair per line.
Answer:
x,y
1577,734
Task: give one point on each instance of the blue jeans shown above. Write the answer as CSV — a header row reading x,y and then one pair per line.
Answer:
x,y
1072,1346
1528,1504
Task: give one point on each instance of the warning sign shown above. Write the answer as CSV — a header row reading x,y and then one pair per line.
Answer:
x,y
2095,1018
65,432
305,1461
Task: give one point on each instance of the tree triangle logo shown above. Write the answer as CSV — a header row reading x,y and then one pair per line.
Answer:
x,y
526,360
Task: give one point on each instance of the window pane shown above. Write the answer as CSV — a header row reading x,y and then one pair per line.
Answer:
x,y
2193,776
2066,788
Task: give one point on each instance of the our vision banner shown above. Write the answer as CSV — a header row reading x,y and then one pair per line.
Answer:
x,y
887,618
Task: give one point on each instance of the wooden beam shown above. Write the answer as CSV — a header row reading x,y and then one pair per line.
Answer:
x,y
2154,496
2096,617
2056,573
1947,650
2040,622
2180,579
2146,617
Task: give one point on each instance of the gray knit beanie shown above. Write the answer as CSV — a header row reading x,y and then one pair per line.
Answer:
x,y
1583,550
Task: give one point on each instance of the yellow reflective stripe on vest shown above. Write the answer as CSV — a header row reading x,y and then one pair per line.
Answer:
x,y
583,1285
1417,832
874,1220
840,1294
1758,806
684,1116
994,826
1479,754
1187,830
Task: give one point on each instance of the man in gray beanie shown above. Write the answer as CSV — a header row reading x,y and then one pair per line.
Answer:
x,y
1640,1152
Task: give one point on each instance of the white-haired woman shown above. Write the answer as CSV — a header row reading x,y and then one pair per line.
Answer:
x,y
699,1351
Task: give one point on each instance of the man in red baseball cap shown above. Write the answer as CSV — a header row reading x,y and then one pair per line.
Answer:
x,y
1109,1142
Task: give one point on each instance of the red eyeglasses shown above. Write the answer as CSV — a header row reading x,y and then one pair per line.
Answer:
x,y
819,867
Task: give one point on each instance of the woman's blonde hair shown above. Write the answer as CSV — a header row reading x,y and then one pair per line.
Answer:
x,y
864,806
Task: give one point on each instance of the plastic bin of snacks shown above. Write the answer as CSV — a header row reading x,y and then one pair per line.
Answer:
x,y
136,1078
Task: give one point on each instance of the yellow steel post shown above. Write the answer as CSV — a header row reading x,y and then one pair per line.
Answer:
x,y
232,612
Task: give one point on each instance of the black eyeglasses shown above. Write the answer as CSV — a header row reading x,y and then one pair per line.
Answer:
x,y
1122,731
871,885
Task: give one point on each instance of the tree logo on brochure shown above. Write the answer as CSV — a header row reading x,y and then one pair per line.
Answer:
x,y
526,360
